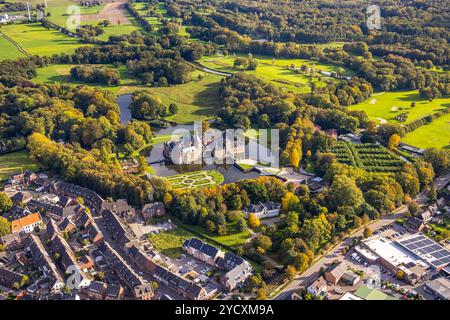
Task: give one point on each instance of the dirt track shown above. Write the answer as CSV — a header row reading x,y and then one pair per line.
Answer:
x,y
114,12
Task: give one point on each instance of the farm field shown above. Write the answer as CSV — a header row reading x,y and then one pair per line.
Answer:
x,y
37,40
13,162
435,134
9,51
368,156
196,100
196,179
61,73
387,105
271,70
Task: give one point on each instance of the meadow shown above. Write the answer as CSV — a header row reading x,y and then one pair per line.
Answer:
x,y
274,70
170,242
196,100
37,40
9,51
433,135
14,162
387,105
60,73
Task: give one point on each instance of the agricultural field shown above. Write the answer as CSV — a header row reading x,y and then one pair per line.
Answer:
x,y
433,135
196,179
9,51
37,40
196,100
274,70
14,162
368,156
385,106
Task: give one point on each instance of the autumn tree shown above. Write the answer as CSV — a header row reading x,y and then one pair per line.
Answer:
x,y
394,140
253,221
5,202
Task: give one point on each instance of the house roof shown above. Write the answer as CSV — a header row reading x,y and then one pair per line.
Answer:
x,y
18,224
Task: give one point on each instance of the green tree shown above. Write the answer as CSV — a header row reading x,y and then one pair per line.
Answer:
x,y
5,202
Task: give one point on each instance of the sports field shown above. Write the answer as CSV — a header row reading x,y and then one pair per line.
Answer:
x,y
385,106
37,40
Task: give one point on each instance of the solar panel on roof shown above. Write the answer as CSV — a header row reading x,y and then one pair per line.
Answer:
x,y
412,246
428,242
435,247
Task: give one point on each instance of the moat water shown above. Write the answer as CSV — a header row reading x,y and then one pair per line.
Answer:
x,y
154,154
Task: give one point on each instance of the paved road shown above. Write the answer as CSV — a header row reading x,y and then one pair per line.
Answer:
x,y
309,275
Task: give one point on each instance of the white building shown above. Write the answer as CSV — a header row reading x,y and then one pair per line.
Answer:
x,y
263,210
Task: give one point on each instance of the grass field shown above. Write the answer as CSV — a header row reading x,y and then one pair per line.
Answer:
x,y
37,40
274,70
169,242
11,163
436,134
196,100
233,239
61,73
196,179
8,50
387,105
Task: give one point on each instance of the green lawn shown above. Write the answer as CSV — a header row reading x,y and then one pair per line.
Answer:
x,y
196,100
233,239
11,163
9,51
274,70
169,242
436,134
196,179
37,40
387,105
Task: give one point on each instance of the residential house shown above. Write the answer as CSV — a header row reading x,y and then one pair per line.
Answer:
x,y
117,229
52,229
414,224
126,274
318,287
143,260
144,292
263,210
182,286
94,233
21,197
151,210
27,224
95,290
350,278
92,199
121,208
45,264
12,279
67,226
114,292
11,241
67,259
334,274
201,250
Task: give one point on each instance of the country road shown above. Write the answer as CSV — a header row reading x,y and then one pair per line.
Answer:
x,y
309,275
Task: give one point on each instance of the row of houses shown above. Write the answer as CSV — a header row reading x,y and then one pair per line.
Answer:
x,y
140,288
91,198
237,270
